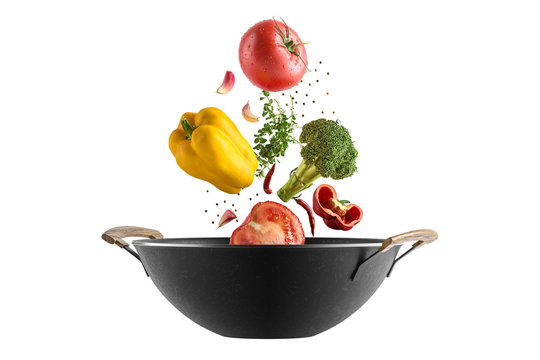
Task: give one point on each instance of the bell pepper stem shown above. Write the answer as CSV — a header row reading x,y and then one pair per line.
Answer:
x,y
188,128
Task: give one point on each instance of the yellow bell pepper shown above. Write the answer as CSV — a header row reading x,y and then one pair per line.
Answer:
x,y
207,145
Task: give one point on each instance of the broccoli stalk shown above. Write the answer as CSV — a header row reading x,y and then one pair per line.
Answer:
x,y
328,152
301,179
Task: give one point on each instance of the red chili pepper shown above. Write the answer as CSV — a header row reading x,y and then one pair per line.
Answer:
x,y
268,177
335,213
306,207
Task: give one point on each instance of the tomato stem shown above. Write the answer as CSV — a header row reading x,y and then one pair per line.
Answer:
x,y
288,43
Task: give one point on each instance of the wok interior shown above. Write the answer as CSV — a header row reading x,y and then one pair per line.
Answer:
x,y
225,241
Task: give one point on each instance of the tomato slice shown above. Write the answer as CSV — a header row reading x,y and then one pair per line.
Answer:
x,y
269,223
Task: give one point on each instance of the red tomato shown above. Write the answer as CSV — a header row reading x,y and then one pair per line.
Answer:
x,y
269,223
272,56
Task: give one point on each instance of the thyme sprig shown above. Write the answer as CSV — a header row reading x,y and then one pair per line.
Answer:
x,y
273,139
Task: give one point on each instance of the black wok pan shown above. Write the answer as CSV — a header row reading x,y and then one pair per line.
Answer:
x,y
266,291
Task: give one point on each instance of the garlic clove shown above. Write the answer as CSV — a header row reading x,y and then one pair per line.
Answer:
x,y
228,83
248,115
226,218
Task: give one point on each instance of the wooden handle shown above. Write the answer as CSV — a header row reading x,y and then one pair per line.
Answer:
x,y
420,236
116,235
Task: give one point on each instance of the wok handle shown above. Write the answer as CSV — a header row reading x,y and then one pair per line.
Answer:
x,y
420,236
116,236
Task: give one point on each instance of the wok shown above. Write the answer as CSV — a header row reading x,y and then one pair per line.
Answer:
x,y
266,291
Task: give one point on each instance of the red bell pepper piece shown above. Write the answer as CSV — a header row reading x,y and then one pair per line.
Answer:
x,y
335,213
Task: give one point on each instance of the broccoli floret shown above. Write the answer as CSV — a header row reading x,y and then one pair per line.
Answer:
x,y
328,152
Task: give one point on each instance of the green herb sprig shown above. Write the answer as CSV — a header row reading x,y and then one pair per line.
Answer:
x,y
273,139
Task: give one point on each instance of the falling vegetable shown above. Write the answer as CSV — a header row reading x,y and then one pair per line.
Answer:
x,y
272,55
248,115
327,151
207,145
337,214
226,218
228,83
269,223
306,207
273,139
268,177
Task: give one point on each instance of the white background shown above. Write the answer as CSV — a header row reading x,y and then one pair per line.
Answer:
x,y
442,99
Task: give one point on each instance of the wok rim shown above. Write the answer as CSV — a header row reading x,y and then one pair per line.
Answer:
x,y
177,243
